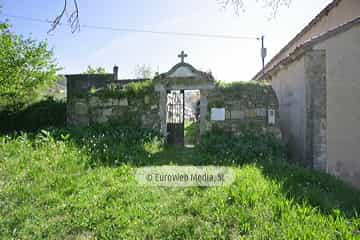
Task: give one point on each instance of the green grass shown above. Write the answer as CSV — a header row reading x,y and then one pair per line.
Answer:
x,y
79,184
191,132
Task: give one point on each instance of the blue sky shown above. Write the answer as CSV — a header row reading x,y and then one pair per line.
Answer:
x,y
229,60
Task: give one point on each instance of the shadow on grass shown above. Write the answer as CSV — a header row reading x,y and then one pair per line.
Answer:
x,y
318,189
43,114
327,193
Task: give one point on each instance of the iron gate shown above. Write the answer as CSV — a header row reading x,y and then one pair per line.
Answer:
x,y
175,117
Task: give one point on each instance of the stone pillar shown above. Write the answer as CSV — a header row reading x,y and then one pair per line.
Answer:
x,y
316,119
162,111
203,111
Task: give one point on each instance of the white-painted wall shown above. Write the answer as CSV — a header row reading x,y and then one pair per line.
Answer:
x,y
289,86
343,104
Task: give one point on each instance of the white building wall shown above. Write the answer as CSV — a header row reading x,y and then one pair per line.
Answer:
x,y
289,86
343,104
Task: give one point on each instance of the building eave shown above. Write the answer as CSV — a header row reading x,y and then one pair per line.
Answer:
x,y
312,23
301,49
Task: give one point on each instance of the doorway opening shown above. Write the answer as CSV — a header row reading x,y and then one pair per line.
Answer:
x,y
192,118
175,117
182,117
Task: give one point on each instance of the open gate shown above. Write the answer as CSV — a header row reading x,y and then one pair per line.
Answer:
x,y
175,117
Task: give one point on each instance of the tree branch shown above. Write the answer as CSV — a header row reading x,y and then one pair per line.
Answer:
x,y
238,5
73,19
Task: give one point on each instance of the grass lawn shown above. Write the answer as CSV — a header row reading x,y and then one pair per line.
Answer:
x,y
80,184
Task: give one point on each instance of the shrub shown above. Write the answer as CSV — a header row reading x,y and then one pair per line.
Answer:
x,y
253,145
43,114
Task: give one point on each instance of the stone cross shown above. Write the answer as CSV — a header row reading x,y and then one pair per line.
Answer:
x,y
182,56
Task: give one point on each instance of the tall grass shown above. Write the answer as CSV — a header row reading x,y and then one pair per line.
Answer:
x,y
65,184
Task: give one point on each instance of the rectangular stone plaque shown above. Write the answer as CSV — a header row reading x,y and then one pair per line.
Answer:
x,y
217,114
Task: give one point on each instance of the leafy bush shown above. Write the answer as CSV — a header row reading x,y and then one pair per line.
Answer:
x,y
253,145
26,67
43,114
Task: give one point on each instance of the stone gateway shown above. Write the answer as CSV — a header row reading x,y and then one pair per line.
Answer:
x,y
159,103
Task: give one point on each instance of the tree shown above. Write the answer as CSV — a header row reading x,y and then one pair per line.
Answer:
x,y
238,5
95,70
74,22
27,66
143,71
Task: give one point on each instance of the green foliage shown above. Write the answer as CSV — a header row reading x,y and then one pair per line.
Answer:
x,y
243,89
240,84
252,145
95,70
26,67
45,113
191,132
48,191
133,89
139,88
113,145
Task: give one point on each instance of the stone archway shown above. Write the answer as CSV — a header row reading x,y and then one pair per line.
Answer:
x,y
184,76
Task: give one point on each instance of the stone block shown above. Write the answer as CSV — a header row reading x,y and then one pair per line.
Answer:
x,y
251,113
119,111
102,115
81,108
107,103
146,99
120,102
227,115
261,112
94,102
237,114
123,102
80,120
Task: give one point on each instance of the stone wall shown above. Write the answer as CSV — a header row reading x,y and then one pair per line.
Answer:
x,y
92,102
144,104
244,103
